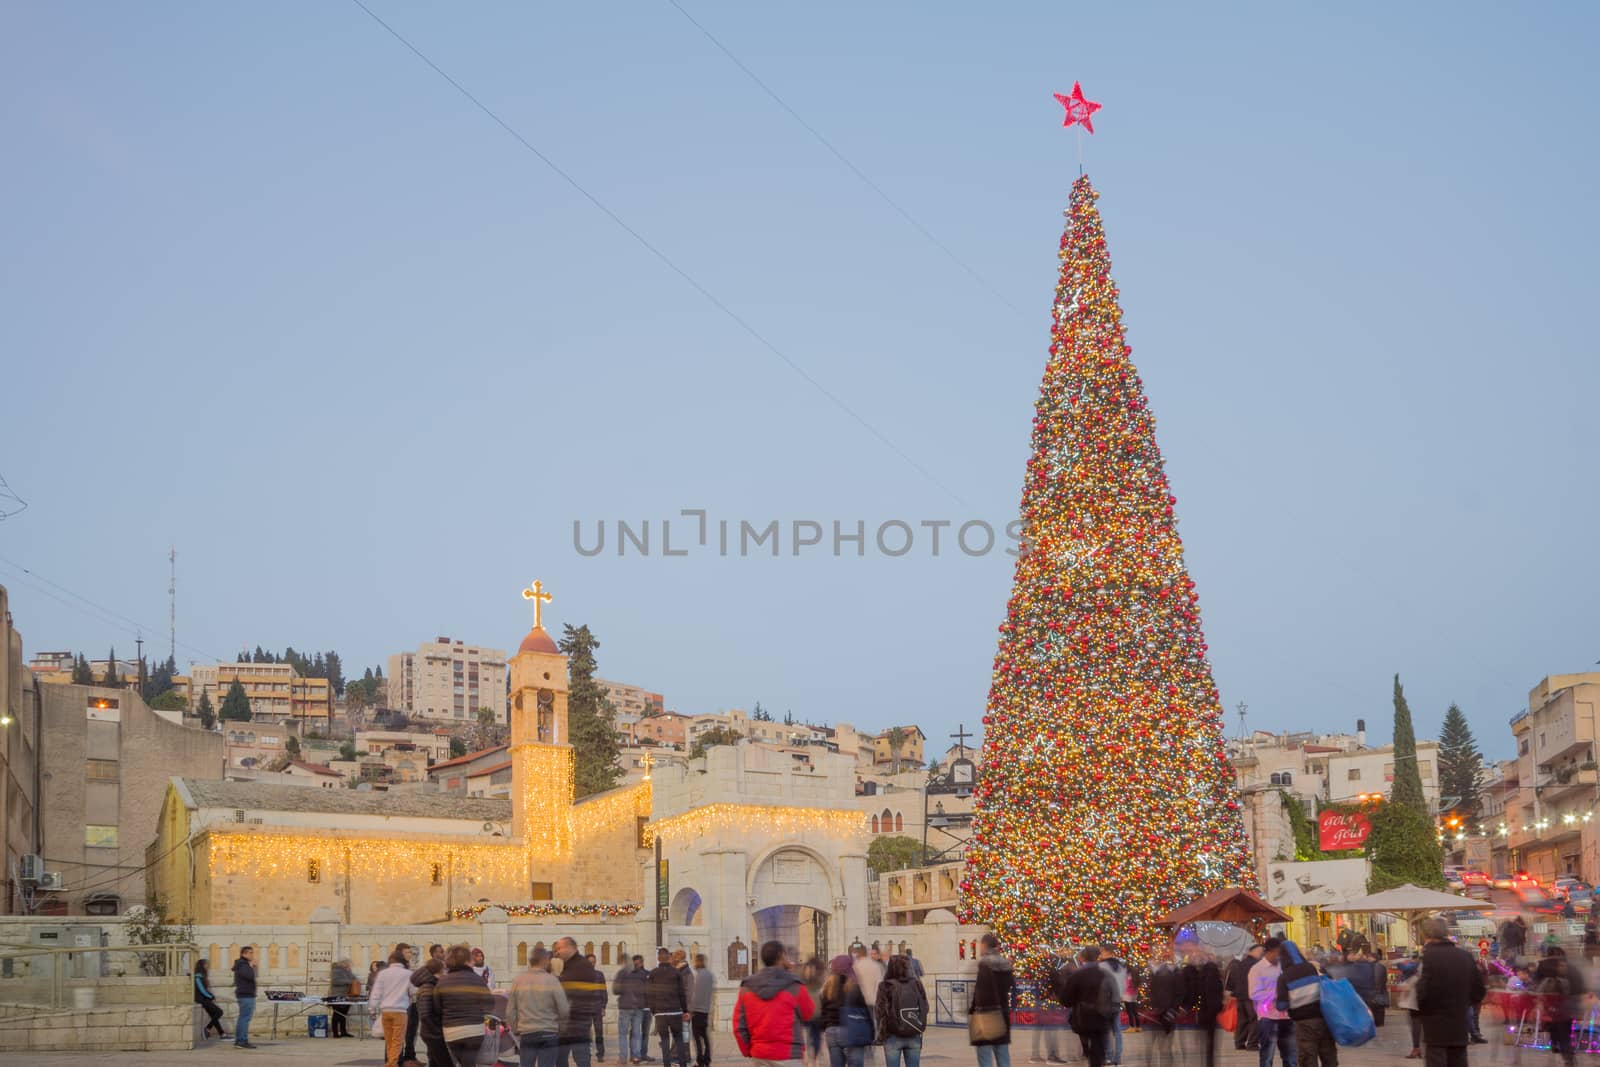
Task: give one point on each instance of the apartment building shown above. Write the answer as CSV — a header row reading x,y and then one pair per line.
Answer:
x,y
20,779
1548,827
1369,771
448,680
276,692
632,702
909,751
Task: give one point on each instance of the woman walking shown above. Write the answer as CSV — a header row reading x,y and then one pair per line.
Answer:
x,y
847,1024
207,999
390,997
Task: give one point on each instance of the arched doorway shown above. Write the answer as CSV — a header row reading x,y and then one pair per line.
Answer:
x,y
685,909
792,894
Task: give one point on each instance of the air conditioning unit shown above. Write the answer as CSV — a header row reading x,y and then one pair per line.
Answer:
x,y
52,880
31,868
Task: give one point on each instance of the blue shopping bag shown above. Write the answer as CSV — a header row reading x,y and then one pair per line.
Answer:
x,y
1347,1015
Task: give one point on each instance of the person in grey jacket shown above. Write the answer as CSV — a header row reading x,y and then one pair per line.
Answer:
x,y
629,986
703,984
536,1008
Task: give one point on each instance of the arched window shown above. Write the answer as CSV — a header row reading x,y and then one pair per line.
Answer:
x,y
874,824
899,823
588,948
1288,778
1276,779
605,953
886,820
522,953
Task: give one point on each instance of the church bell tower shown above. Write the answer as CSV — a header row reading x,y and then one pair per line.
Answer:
x,y
541,752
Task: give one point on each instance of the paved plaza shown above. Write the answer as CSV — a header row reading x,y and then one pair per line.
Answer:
x,y
942,1045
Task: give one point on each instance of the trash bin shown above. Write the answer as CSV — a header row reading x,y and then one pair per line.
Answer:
x,y
317,1025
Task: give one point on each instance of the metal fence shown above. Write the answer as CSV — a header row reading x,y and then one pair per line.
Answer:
x,y
60,978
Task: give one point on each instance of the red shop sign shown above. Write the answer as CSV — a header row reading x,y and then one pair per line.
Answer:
x,y
1340,832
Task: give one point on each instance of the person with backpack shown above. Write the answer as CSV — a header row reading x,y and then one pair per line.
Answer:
x,y
1093,999
901,1014
1300,994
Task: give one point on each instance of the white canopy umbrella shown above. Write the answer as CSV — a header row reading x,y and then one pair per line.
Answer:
x,y
1409,902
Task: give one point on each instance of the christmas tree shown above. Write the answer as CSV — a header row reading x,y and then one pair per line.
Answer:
x,y
1106,797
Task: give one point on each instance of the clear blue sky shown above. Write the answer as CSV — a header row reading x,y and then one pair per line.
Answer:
x,y
275,292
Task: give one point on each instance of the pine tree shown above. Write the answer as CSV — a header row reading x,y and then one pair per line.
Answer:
x,y
1407,789
82,673
1106,798
235,705
591,718
1460,764
207,713
112,679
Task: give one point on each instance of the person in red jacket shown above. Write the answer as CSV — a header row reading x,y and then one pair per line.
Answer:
x,y
772,1006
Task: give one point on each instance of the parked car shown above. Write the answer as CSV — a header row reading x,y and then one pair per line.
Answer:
x,y
1570,887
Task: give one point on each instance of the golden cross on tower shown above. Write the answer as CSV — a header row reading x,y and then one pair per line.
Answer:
x,y
648,761
540,598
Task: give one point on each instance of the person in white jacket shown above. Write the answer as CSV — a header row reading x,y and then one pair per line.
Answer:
x,y
390,997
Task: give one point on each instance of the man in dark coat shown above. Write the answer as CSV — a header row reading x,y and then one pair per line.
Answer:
x,y
1450,984
586,998
1202,994
668,1000
1237,981
1093,1000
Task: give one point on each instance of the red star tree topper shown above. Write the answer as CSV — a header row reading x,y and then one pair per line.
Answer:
x,y
1079,110
1107,798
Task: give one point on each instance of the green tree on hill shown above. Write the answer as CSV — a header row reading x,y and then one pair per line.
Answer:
x,y
591,718
717,735
235,705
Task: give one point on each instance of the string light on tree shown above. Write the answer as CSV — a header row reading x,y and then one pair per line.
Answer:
x,y
1107,798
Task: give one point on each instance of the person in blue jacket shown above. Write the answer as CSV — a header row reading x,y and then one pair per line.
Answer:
x,y
207,999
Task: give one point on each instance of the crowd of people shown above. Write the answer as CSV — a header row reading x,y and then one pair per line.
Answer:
x,y
1270,997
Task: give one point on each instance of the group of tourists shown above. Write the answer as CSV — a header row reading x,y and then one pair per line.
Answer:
x,y
848,1006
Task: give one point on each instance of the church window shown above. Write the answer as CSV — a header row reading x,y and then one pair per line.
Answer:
x,y
874,824
314,870
436,872
542,891
899,822
640,822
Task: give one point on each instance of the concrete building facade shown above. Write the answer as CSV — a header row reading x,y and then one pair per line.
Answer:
x,y
276,692
20,775
107,760
448,680
1549,825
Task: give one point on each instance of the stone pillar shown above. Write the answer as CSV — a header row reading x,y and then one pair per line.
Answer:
x,y
852,914
494,937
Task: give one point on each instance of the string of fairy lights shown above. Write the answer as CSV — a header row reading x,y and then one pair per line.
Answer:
x,y
1107,796
696,822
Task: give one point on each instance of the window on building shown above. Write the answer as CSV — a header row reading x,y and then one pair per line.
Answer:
x,y
1353,774
436,873
102,770
314,870
100,836
1522,749
642,821
542,891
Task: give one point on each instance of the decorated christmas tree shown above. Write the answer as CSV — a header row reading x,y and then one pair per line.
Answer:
x,y
1106,798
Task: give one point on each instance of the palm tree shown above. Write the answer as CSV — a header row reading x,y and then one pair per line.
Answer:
x,y
897,739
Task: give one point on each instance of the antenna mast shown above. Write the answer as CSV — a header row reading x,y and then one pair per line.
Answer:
x,y
172,603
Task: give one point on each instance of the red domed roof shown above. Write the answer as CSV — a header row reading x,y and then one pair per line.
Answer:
x,y
538,640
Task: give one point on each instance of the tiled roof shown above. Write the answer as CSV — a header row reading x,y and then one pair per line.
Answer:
x,y
491,769
468,758
406,803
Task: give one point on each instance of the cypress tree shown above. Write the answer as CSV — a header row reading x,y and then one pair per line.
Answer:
x,y
1407,791
591,718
